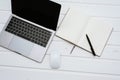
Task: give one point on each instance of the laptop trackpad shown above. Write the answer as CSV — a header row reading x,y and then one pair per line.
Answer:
x,y
21,46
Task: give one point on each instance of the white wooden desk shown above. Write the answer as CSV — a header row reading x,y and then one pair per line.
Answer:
x,y
79,65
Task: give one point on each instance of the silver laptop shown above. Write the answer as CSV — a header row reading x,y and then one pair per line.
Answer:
x,y
30,28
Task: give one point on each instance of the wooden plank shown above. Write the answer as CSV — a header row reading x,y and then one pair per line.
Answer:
x,y
94,10
5,5
61,46
106,2
4,15
114,39
110,53
7,73
69,63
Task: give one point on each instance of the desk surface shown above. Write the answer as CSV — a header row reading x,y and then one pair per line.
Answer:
x,y
79,65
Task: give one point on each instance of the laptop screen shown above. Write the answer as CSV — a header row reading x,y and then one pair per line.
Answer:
x,y
42,12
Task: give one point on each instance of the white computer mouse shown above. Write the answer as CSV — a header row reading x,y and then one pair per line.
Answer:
x,y
55,60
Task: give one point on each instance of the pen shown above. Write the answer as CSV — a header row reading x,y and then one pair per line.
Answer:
x,y
91,47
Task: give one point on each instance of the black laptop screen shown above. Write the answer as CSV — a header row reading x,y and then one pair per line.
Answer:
x,y
42,12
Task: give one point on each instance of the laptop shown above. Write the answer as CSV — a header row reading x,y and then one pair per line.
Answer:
x,y
30,28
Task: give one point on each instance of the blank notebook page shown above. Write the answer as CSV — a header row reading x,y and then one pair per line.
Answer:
x,y
77,24
98,32
72,26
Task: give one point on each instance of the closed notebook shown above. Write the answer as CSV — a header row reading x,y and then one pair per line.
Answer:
x,y
76,25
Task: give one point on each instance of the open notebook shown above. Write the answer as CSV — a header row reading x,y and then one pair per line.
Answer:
x,y
76,25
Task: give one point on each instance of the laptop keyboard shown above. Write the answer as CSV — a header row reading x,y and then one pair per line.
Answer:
x,y
28,31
